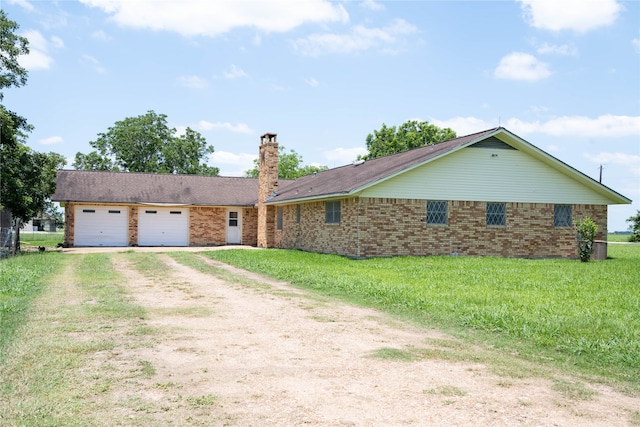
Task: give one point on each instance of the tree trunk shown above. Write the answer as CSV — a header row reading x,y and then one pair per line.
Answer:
x,y
16,241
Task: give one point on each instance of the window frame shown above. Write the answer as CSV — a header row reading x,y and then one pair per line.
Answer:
x,y
298,213
332,212
494,218
434,214
560,217
279,217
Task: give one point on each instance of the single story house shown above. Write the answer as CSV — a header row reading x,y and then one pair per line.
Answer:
x,y
488,193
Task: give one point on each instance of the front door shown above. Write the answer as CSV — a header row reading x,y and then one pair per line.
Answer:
x,y
233,227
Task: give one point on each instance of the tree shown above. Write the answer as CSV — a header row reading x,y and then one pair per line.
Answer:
x,y
586,230
11,47
289,166
411,134
634,227
27,178
146,144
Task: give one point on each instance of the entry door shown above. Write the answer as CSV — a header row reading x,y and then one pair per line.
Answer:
x,y
233,227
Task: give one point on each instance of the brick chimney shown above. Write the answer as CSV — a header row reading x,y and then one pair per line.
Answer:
x,y
267,186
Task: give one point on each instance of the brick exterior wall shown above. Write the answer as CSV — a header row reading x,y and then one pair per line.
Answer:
x,y
207,225
267,184
372,227
250,226
133,226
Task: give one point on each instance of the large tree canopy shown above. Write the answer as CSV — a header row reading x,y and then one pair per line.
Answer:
x,y
11,46
27,178
147,144
411,134
289,166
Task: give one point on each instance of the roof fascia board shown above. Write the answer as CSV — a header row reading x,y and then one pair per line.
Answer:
x,y
535,152
311,199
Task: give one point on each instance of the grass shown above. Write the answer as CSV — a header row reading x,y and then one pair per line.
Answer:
x,y
618,237
50,375
22,278
576,315
33,238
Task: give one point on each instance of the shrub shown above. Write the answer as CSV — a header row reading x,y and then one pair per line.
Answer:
x,y
586,230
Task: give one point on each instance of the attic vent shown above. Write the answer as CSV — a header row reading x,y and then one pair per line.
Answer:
x,y
494,143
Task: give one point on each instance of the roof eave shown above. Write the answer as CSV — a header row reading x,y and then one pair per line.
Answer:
x,y
524,146
422,163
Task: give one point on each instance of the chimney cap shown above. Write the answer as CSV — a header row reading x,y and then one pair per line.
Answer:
x,y
268,137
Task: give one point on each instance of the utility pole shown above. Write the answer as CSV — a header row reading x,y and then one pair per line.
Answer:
x,y
600,174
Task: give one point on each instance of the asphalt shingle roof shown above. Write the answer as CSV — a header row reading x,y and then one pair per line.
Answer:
x,y
127,187
345,179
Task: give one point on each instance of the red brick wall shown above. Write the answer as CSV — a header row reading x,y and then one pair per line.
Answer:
x,y
313,234
207,226
395,227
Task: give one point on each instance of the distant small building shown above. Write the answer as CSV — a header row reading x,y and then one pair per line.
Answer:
x,y
486,194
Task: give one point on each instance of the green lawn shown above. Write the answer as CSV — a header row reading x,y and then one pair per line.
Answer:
x,y
584,315
21,279
618,237
48,240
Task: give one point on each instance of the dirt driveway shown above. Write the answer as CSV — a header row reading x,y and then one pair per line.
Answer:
x,y
256,352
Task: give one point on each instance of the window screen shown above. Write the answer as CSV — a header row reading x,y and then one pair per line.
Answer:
x,y
332,212
496,214
562,216
436,212
279,218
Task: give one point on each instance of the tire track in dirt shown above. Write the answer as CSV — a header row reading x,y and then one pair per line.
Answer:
x,y
270,354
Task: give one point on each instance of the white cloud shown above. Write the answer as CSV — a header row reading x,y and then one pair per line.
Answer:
x,y
23,4
624,159
212,18
636,44
372,5
234,73
576,15
90,60
344,155
608,126
101,35
232,164
193,82
38,57
521,66
360,38
237,128
464,125
312,82
52,140
564,49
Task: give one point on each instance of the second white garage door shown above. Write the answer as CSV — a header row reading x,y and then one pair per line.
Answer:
x,y
163,226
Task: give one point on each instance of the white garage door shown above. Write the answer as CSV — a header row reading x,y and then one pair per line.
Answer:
x,y
163,226
100,225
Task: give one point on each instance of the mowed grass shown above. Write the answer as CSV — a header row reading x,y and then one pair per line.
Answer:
x,y
22,278
583,316
48,240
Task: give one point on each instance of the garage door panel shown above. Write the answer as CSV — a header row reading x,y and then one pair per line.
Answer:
x,y
100,226
163,227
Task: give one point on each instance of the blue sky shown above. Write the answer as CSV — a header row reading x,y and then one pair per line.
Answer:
x,y
563,75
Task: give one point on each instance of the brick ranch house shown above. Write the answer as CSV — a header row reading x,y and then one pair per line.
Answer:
x,y
490,193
